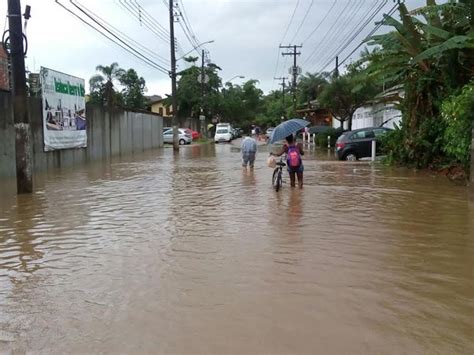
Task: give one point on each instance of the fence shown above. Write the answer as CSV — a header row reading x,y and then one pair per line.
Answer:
x,y
109,133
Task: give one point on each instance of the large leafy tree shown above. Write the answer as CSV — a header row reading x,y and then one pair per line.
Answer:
x,y
345,94
133,89
192,95
240,104
430,53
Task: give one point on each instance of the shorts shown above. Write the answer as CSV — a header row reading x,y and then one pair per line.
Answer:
x,y
249,159
298,170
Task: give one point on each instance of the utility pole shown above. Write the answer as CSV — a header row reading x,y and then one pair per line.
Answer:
x,y
23,153
336,70
283,87
294,70
174,99
201,116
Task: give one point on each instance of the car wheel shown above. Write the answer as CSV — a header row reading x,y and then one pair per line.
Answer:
x,y
181,142
351,156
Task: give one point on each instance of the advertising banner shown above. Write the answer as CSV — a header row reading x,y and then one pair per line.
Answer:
x,y
64,110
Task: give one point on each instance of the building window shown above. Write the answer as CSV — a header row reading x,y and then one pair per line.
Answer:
x,y
168,111
160,111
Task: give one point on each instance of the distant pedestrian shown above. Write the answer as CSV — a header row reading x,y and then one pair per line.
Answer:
x,y
257,133
294,162
249,150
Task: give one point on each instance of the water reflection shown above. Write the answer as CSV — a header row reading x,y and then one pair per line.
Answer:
x,y
187,253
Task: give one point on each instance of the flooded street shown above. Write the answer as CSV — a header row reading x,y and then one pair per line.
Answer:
x,y
163,253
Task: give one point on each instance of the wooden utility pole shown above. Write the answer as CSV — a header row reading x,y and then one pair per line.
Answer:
x,y
283,88
336,70
23,151
203,75
294,71
174,99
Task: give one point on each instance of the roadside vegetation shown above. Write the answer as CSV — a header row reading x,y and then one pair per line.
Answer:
x,y
428,55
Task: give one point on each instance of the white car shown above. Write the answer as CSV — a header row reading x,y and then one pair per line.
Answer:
x,y
183,136
223,134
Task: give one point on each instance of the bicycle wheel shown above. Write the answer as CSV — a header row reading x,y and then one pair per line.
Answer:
x,y
276,179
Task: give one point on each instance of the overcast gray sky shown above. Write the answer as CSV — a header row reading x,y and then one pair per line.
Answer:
x,y
247,34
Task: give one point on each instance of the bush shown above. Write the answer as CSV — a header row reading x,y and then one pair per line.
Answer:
x,y
322,138
458,115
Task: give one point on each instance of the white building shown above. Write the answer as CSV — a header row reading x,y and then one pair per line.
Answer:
x,y
376,115
386,115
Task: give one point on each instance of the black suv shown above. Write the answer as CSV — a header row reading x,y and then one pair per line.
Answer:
x,y
357,144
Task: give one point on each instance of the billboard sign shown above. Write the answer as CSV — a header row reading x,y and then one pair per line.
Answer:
x,y
64,110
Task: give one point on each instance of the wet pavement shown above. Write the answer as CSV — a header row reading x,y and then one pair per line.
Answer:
x,y
163,253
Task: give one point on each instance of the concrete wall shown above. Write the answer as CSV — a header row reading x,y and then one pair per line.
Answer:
x,y
108,134
7,136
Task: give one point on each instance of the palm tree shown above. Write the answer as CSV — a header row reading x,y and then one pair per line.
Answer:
x,y
103,84
310,86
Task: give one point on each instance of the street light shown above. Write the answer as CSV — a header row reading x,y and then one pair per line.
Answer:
x,y
194,48
235,77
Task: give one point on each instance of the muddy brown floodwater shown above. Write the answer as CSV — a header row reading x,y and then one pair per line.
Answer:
x,y
184,254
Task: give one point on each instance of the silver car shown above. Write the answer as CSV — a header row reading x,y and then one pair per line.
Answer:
x,y
183,136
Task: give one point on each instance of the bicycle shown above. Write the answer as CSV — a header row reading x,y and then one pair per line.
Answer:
x,y
277,178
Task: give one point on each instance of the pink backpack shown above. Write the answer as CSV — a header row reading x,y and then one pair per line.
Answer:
x,y
293,157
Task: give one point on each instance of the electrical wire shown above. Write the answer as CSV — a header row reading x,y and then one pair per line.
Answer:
x,y
160,34
186,19
282,39
127,48
142,47
303,21
334,41
320,22
377,27
355,33
291,20
327,33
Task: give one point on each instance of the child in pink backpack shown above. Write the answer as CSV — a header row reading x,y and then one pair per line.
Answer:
x,y
293,161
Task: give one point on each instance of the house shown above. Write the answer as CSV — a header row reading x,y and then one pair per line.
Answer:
x,y
157,105
316,115
383,112
4,69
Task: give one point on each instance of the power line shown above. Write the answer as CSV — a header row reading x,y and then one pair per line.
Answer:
x,y
327,33
354,35
380,24
143,21
303,21
291,20
147,20
142,47
283,38
342,31
142,10
187,22
126,47
321,22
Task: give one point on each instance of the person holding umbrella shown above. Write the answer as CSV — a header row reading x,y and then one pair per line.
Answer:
x,y
294,163
291,149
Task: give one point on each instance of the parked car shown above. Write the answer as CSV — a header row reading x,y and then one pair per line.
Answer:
x,y
166,128
194,134
238,132
269,131
353,145
223,134
183,136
